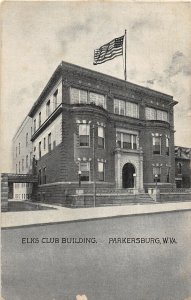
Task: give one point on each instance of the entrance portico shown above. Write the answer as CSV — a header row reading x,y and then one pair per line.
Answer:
x,y
129,168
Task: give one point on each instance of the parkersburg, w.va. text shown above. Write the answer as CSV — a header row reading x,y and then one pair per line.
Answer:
x,y
93,240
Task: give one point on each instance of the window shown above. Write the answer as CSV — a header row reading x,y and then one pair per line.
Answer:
x,y
126,108
118,140
126,140
30,158
27,139
85,171
84,135
156,174
179,168
39,119
167,145
97,99
55,96
132,110
39,176
156,145
49,142
44,143
34,125
48,109
163,115
119,107
168,175
44,175
116,106
156,114
134,141
39,148
23,164
101,137
150,113
27,161
101,171
78,96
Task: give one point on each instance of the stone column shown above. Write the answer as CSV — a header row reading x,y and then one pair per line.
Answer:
x,y
117,169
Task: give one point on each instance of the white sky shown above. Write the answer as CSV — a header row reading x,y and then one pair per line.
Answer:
x,y
37,36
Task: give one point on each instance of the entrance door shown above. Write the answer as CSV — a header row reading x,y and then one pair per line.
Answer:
x,y
127,176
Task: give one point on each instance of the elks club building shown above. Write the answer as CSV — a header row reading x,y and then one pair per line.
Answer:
x,y
99,128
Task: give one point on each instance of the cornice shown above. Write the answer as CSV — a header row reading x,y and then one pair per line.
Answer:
x,y
157,124
111,81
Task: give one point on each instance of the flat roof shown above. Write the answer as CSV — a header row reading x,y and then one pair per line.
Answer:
x,y
65,66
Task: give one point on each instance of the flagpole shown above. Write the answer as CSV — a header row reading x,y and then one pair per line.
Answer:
x,y
125,55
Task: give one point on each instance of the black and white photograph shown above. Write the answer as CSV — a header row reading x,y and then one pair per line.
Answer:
x,y
95,150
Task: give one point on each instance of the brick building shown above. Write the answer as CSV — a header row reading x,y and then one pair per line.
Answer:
x,y
94,126
183,167
22,158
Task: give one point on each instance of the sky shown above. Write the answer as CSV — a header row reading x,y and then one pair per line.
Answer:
x,y
37,36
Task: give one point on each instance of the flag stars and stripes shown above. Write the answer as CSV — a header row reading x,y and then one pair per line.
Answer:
x,y
109,51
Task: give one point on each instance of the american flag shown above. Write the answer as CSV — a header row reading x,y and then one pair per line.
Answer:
x,y
109,51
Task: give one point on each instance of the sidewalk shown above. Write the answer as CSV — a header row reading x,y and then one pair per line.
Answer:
x,y
63,214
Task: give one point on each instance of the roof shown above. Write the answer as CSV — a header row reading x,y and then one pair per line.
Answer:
x,y
110,78
65,67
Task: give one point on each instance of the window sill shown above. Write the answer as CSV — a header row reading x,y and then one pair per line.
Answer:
x,y
136,118
79,147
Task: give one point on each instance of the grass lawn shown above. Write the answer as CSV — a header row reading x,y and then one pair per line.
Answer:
x,y
128,271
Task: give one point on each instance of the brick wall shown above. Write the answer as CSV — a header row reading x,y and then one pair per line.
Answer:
x,y
52,163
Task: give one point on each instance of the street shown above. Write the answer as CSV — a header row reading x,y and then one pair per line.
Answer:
x,y
144,257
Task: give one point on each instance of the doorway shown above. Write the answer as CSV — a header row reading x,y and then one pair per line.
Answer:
x,y
127,176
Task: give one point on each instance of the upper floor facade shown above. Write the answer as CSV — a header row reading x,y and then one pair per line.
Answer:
x,y
74,85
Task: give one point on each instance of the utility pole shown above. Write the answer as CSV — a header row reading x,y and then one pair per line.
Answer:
x,y
94,175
